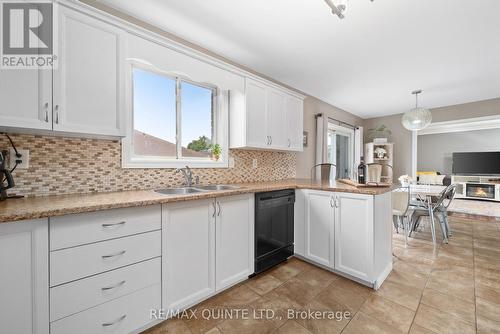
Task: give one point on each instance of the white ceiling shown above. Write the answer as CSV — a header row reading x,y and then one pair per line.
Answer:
x,y
366,64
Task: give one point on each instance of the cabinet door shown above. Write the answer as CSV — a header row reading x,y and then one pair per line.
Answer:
x,y
354,235
276,118
234,235
256,110
26,97
87,83
24,277
188,269
294,120
320,217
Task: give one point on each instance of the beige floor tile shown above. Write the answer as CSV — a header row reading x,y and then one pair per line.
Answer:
x,y
487,309
487,326
214,330
292,327
486,263
488,293
401,294
346,293
388,312
298,291
407,277
201,324
420,264
277,303
246,326
439,322
173,326
416,329
324,324
263,283
449,304
364,324
444,259
239,296
286,271
450,282
317,277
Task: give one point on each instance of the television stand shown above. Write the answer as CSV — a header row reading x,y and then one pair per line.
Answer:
x,y
484,187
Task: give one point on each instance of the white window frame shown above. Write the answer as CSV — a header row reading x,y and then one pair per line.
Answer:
x,y
220,130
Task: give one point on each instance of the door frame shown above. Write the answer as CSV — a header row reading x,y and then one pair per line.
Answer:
x,y
345,131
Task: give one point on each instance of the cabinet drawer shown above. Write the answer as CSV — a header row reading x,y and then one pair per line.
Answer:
x,y
78,262
122,315
80,229
70,298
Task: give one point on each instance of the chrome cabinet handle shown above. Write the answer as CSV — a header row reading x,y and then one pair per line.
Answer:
x,y
268,143
218,205
289,143
331,201
117,285
114,255
120,319
271,138
57,113
337,202
113,224
215,210
46,107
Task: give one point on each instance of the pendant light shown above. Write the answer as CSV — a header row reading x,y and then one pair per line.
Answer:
x,y
417,118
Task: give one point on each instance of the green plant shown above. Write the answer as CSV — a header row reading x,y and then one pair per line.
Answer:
x,y
216,151
200,144
380,131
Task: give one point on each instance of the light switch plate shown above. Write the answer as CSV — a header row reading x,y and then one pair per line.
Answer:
x,y
231,162
255,164
25,158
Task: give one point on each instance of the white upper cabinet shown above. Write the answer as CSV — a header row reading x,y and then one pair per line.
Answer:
x,y
24,277
265,117
88,81
256,115
294,117
26,99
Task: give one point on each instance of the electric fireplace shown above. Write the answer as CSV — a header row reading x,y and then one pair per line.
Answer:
x,y
483,191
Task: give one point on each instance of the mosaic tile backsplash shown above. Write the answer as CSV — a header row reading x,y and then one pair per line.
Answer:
x,y
74,165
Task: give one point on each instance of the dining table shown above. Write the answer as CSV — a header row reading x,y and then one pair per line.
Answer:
x,y
425,194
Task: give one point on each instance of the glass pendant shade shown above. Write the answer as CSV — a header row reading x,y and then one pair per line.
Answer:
x,y
417,119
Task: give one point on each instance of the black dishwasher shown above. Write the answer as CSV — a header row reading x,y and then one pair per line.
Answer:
x,y
273,228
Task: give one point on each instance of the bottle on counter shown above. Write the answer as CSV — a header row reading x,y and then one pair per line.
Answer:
x,y
361,171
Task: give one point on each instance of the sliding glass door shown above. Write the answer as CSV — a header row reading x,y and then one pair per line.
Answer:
x,y
340,150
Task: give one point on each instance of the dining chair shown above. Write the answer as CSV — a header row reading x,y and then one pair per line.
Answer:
x,y
439,209
400,210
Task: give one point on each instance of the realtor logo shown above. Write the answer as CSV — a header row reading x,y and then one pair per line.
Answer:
x,y
27,35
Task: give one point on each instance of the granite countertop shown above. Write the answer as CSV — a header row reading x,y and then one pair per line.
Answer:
x,y
50,206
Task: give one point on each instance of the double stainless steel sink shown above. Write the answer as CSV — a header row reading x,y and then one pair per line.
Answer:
x,y
195,189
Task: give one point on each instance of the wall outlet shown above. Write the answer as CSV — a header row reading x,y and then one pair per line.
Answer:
x,y
255,164
25,164
231,162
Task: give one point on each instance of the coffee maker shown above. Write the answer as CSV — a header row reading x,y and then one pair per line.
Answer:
x,y
6,179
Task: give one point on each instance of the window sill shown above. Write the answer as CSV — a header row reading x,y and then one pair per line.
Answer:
x,y
150,163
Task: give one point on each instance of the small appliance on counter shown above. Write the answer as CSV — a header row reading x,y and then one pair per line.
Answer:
x,y
274,223
6,179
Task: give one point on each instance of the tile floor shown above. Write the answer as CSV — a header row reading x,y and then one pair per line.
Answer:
x,y
453,289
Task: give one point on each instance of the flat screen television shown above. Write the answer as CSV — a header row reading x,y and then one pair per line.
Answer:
x,y
476,163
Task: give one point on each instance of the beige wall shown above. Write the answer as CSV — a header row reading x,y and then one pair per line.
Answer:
x,y
402,137
312,106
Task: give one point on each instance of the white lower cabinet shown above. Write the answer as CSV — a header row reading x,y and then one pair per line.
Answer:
x,y
234,240
196,236
319,227
348,233
24,277
354,235
120,316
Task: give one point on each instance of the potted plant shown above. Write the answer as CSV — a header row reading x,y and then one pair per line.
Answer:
x,y
380,134
216,151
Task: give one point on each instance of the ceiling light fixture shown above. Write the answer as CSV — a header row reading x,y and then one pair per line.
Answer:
x,y
417,118
338,7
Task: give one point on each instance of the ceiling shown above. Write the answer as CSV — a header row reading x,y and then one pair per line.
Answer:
x,y
366,64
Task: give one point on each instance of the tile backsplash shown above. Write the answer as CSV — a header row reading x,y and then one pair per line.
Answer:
x,y
73,165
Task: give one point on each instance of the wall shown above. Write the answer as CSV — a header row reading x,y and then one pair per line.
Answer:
x,y
72,165
435,151
312,106
402,137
